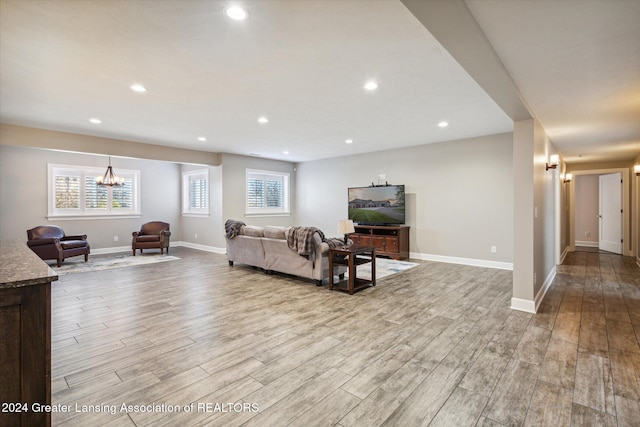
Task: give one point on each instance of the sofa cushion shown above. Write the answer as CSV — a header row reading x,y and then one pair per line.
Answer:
x,y
252,230
273,232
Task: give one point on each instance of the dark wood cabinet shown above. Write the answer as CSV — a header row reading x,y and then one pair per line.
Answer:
x,y
25,336
388,240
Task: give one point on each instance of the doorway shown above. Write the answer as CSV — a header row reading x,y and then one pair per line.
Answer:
x,y
610,213
578,238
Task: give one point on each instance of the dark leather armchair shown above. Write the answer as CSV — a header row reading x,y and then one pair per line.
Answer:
x,y
153,234
50,242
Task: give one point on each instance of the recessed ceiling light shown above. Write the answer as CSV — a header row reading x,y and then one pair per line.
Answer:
x,y
202,138
285,152
236,13
371,85
443,124
348,141
95,121
138,88
263,119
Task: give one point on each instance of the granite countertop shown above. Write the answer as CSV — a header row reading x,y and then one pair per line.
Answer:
x,y
20,266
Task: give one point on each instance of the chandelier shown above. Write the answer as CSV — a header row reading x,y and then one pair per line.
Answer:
x,y
109,179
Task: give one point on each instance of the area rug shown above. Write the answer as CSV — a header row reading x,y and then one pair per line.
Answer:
x,y
384,267
97,264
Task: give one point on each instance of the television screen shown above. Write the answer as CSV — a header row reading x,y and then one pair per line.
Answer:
x,y
377,205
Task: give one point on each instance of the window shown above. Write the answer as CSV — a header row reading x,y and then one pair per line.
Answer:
x,y
73,192
267,193
195,193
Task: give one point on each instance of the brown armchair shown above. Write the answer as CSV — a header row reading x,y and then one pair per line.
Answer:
x,y
50,242
153,234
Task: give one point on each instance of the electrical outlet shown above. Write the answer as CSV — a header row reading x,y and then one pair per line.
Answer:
x,y
115,238
587,234
494,249
196,235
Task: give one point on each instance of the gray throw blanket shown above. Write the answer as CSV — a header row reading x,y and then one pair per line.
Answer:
x,y
232,228
300,239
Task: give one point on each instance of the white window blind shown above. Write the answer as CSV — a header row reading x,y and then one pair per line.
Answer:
x,y
67,191
195,191
267,192
96,197
74,192
123,196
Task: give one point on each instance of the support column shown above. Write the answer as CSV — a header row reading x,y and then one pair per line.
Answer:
x,y
523,216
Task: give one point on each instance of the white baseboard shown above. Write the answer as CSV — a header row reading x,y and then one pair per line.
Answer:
x,y
116,249
525,305
587,244
426,257
112,250
464,261
201,247
564,254
531,306
545,287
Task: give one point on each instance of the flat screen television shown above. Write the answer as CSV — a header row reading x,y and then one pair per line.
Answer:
x,y
383,205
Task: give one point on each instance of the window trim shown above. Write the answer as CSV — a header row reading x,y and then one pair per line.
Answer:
x,y
186,194
90,213
286,198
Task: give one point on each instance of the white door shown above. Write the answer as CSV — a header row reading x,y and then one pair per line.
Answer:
x,y
610,214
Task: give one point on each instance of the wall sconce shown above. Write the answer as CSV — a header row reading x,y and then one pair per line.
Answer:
x,y
567,178
636,169
554,160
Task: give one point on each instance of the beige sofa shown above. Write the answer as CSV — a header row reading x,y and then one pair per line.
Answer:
x,y
267,248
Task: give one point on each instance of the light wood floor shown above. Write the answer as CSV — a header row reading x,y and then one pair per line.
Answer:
x,y
436,345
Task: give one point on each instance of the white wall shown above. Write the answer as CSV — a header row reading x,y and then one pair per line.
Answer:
x,y
536,200
459,195
23,195
206,232
544,203
227,200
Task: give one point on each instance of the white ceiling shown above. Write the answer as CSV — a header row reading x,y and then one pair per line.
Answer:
x,y
303,64
577,64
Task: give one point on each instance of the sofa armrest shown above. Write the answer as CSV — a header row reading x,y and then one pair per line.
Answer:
x,y
322,248
165,232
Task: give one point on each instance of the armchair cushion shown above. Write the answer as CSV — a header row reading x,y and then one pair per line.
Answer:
x,y
70,244
148,238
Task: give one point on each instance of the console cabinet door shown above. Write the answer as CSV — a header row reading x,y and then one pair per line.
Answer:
x,y
391,244
378,243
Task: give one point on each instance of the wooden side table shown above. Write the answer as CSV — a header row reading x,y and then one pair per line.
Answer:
x,y
352,256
